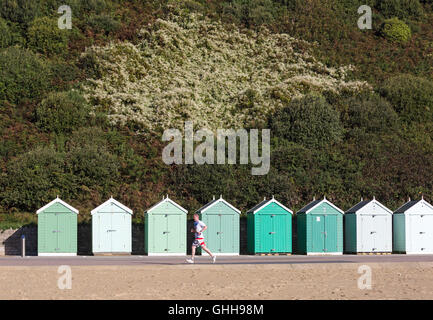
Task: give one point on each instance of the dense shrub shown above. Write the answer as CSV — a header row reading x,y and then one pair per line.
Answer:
x,y
309,121
46,37
396,30
62,112
104,23
6,37
252,12
9,36
411,96
19,11
92,166
35,178
400,8
23,75
371,113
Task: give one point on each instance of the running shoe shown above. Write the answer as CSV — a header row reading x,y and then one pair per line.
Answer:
x,y
189,260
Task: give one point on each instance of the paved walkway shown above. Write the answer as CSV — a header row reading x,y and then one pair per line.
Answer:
x,y
176,260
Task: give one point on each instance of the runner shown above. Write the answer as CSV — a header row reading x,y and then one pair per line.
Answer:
x,y
199,227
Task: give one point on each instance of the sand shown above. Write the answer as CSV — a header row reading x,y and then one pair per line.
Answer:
x,y
301,281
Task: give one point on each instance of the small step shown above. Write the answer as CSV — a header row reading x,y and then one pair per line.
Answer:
x,y
373,253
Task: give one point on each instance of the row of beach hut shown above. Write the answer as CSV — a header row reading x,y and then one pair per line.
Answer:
x,y
322,228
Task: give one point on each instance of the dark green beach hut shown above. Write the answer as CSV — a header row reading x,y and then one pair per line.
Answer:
x,y
320,228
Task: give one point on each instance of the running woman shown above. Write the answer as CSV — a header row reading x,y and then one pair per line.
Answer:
x,y
199,227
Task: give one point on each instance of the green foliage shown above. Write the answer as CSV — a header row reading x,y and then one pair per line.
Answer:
x,y
104,23
386,151
252,13
16,220
44,36
62,112
309,121
371,113
19,11
34,178
411,96
23,75
6,38
9,36
400,8
396,30
92,166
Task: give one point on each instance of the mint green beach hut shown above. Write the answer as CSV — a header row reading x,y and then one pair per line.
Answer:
x,y
269,228
111,228
57,229
165,229
320,228
222,236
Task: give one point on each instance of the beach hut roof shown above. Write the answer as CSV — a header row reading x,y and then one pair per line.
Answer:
x,y
111,200
57,200
356,208
167,199
214,202
313,204
266,202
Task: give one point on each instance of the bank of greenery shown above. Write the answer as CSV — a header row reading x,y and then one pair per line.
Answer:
x,y
82,110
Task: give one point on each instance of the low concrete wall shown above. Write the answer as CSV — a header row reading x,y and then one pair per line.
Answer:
x,y
10,240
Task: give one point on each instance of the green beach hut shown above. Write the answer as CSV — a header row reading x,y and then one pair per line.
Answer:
x,y
320,228
165,229
222,220
57,229
269,228
111,228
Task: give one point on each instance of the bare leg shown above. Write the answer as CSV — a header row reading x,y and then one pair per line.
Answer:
x,y
192,252
207,250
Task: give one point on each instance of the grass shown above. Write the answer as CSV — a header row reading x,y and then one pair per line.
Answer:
x,y
17,220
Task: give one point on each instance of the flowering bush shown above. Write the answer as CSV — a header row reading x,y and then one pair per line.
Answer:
x,y
191,68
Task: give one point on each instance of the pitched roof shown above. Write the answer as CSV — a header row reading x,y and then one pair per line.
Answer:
x,y
358,206
309,206
167,199
213,202
111,200
315,203
410,204
363,203
57,200
206,205
264,203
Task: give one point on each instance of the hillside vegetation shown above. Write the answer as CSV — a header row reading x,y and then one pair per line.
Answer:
x,y
82,110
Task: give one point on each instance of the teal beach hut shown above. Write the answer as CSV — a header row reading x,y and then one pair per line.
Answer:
x,y
320,228
111,228
222,236
165,229
269,228
57,229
